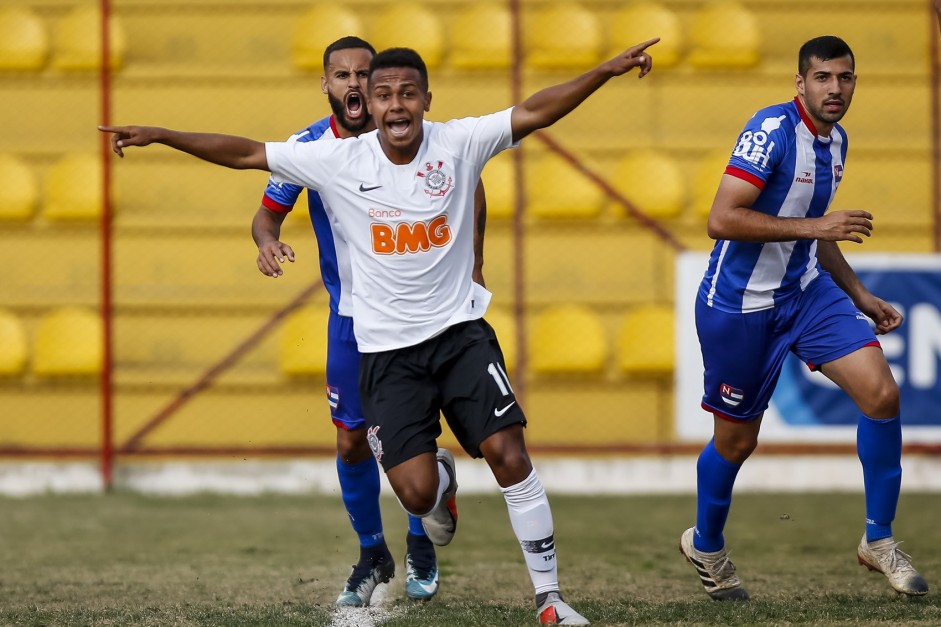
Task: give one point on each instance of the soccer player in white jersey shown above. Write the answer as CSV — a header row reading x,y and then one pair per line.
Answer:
x,y
777,282
346,65
403,199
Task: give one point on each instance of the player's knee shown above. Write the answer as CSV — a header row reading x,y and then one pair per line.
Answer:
x,y
882,401
505,452
416,500
352,446
736,449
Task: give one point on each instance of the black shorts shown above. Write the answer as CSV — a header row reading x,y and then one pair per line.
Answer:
x,y
460,373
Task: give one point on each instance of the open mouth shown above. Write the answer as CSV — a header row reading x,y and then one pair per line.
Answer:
x,y
399,127
355,105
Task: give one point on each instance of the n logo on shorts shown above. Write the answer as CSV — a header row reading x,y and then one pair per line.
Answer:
x,y
730,396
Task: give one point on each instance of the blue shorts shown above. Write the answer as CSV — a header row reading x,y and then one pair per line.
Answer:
x,y
743,352
343,373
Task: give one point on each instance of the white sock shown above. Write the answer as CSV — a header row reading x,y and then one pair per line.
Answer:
x,y
531,519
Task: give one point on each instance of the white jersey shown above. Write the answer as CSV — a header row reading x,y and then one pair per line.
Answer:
x,y
409,227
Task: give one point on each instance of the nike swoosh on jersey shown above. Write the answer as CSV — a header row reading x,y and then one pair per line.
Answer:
x,y
500,412
363,187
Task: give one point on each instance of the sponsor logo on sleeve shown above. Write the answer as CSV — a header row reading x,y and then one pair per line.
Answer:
x,y
755,147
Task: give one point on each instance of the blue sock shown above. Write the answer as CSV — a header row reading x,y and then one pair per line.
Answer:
x,y
414,526
359,485
715,477
879,446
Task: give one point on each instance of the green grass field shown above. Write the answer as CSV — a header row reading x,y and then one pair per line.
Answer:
x,y
127,559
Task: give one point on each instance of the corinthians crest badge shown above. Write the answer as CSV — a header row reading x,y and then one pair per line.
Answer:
x,y
374,442
437,181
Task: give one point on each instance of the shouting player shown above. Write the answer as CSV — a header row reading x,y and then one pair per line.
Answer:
x,y
346,66
403,197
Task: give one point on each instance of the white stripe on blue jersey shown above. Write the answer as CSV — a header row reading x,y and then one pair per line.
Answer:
x,y
335,268
798,172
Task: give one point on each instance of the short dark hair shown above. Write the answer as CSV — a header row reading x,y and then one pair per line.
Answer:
x,y
346,43
399,57
823,48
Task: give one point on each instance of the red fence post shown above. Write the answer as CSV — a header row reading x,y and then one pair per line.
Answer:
x,y
107,399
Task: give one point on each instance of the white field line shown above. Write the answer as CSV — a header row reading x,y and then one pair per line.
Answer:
x,y
372,616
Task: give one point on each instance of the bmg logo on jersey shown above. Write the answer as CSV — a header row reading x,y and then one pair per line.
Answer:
x,y
410,237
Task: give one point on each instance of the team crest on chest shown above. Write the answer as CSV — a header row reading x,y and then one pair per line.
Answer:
x,y
437,181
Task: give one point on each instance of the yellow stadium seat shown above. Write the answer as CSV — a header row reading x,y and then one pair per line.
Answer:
x,y
653,182
303,348
499,185
706,178
640,21
563,36
410,26
20,190
318,28
645,341
74,189
68,342
555,189
24,44
724,34
567,339
504,324
77,40
12,344
480,37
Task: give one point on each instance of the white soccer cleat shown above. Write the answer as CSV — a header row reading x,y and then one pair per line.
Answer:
x,y
883,556
716,570
555,611
441,523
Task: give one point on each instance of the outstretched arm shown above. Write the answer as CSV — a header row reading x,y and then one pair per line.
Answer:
x,y
480,224
231,151
548,106
831,258
732,218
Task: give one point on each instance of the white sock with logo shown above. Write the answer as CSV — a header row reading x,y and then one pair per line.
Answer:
x,y
531,519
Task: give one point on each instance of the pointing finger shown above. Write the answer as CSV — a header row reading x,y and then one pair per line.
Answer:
x,y
644,46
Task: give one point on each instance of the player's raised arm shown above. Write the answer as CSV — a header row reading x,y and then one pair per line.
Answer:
x,y
231,151
548,106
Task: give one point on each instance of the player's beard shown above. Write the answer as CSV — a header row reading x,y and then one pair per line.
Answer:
x,y
820,112
339,110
